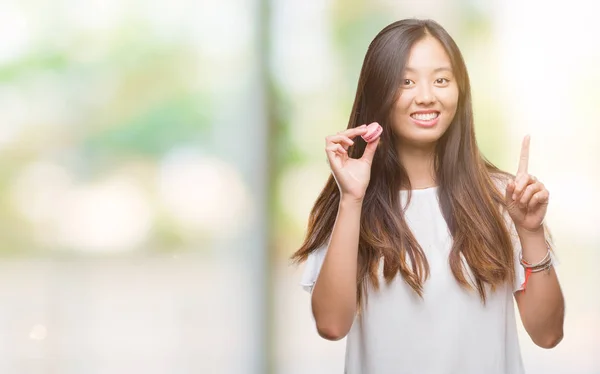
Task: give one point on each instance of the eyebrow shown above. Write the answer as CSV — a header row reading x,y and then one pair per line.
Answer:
x,y
437,70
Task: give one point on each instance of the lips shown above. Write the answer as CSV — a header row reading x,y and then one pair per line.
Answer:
x,y
425,118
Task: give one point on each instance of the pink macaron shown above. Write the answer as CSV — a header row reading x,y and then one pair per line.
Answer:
x,y
373,132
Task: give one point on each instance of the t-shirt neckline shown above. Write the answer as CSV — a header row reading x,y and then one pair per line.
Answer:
x,y
421,190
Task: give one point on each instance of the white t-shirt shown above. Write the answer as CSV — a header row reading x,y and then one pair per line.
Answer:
x,y
449,330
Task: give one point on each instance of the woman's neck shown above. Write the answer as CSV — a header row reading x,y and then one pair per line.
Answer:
x,y
419,165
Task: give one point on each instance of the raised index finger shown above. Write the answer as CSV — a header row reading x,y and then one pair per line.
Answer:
x,y
524,159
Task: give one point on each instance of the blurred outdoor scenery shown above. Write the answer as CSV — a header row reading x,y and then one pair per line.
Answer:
x,y
159,159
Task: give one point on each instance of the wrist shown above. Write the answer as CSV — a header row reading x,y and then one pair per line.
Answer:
x,y
347,201
529,233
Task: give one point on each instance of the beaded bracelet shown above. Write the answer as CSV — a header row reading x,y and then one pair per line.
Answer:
x,y
544,264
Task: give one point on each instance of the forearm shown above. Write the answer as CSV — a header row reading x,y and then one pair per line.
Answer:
x,y
334,294
542,304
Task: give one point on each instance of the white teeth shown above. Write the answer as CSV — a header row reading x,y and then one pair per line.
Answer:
x,y
424,116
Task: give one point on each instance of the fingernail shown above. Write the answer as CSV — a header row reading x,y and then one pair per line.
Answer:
x,y
514,197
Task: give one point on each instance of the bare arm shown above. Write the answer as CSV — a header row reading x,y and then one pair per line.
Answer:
x,y
334,294
541,306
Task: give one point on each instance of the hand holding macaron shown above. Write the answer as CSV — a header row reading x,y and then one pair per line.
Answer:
x,y
352,175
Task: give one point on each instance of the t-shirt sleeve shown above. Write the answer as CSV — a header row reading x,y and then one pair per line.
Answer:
x,y
312,268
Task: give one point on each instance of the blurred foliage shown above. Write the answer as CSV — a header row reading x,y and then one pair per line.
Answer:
x,y
134,98
154,130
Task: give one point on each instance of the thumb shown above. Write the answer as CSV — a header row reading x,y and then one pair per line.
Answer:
x,y
370,151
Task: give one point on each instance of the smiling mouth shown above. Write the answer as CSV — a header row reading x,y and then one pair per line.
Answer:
x,y
425,116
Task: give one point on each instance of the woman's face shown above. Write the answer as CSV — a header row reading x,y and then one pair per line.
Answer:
x,y
428,96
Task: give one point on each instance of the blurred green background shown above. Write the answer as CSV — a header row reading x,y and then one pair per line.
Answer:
x,y
158,161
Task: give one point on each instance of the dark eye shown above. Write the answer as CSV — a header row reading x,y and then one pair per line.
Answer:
x,y
441,81
407,82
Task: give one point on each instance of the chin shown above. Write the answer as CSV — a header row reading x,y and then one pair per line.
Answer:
x,y
422,140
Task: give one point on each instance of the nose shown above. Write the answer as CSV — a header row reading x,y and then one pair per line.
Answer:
x,y
425,96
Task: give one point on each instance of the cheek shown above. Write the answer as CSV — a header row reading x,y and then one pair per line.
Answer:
x,y
401,110
403,104
449,99
403,101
